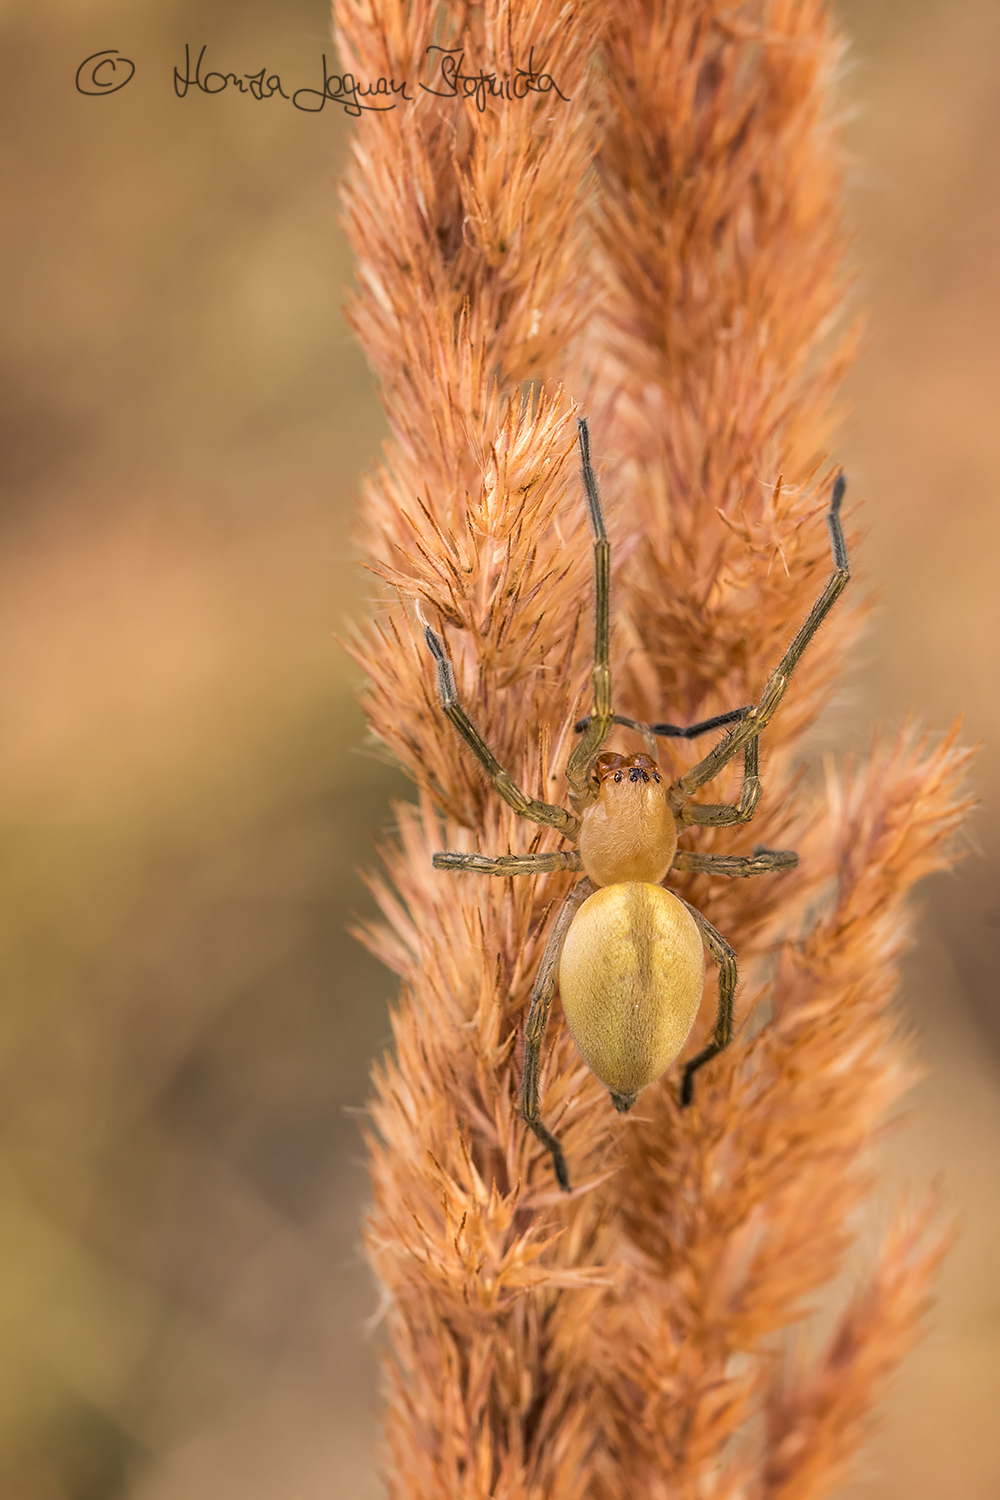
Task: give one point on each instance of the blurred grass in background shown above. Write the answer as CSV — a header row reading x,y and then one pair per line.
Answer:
x,y
184,798
185,794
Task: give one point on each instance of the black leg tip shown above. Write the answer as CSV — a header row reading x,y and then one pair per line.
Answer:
x,y
559,1164
555,1151
839,486
435,643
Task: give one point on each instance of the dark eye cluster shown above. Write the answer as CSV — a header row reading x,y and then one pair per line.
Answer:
x,y
638,774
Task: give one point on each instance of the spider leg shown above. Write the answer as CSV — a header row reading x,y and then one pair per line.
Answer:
x,y
760,714
761,862
580,762
669,731
509,864
723,813
501,780
643,729
672,731
725,957
534,1031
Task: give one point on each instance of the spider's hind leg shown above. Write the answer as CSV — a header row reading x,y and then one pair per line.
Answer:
x,y
541,1003
725,957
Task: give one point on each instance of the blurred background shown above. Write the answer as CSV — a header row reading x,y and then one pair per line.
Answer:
x,y
185,793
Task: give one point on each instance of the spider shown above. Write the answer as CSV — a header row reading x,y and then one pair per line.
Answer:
x,y
628,952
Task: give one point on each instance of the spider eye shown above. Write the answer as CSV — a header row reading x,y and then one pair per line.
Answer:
x,y
656,777
618,776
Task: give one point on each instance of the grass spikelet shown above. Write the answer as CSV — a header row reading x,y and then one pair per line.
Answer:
x,y
818,1414
667,242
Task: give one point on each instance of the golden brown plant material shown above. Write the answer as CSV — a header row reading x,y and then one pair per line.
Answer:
x,y
667,241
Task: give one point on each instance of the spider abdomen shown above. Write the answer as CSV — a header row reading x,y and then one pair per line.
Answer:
x,y
631,977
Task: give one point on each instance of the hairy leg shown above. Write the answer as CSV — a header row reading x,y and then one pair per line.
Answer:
x,y
509,864
599,722
725,957
504,784
723,814
761,862
673,731
534,1031
759,715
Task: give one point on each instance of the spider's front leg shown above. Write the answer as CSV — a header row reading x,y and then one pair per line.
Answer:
x,y
541,1003
673,731
581,792
502,782
723,813
756,718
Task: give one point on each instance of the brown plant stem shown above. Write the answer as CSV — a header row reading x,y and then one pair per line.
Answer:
x,y
621,1341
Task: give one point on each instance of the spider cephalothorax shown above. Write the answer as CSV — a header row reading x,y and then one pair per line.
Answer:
x,y
629,833
628,953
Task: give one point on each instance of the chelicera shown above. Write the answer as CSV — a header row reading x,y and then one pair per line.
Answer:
x,y
627,952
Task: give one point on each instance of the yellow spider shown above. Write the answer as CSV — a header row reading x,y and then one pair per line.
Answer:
x,y
629,954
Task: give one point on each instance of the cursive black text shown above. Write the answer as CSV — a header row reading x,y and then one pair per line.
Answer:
x,y
338,88
482,86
